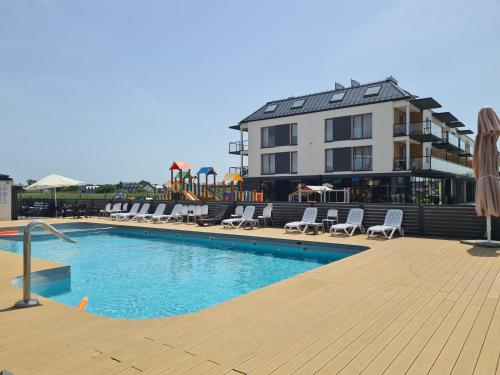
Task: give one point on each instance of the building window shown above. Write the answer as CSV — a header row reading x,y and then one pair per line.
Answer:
x,y
270,108
329,160
268,164
298,103
362,126
293,134
268,136
362,158
293,162
337,97
329,130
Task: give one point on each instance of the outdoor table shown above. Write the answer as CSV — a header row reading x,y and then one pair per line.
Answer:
x,y
327,223
314,226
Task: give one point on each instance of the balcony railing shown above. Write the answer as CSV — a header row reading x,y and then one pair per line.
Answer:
x,y
238,147
400,164
432,163
424,131
238,170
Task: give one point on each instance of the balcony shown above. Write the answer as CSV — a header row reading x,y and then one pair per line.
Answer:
x,y
242,173
431,163
238,148
465,149
450,142
424,131
400,164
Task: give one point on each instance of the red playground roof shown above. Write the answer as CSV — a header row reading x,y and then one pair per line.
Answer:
x,y
180,165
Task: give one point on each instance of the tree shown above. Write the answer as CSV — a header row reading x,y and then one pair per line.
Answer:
x,y
107,188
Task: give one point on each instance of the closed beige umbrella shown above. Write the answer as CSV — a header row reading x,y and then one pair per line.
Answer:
x,y
485,164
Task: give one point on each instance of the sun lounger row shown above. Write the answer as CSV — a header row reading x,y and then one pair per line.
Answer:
x,y
141,213
392,223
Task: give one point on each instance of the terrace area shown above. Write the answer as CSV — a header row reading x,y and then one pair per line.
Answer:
x,y
409,305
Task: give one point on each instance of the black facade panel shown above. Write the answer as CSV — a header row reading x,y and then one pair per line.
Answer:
x,y
282,162
282,135
342,159
342,128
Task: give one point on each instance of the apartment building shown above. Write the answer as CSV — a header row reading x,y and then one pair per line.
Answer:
x,y
379,140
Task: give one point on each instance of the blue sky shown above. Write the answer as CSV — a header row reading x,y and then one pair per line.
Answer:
x,y
104,91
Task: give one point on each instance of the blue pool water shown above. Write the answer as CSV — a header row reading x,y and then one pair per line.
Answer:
x,y
134,274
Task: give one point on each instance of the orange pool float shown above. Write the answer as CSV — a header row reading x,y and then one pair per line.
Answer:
x,y
8,232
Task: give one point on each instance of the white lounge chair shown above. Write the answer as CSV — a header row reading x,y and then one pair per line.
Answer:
x,y
309,217
266,216
130,216
198,211
392,223
175,214
117,207
238,212
160,210
106,210
354,221
238,222
120,215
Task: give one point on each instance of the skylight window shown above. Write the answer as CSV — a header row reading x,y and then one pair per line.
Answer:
x,y
337,97
270,108
372,91
298,103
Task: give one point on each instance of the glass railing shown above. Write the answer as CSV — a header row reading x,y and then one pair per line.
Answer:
x,y
238,146
451,139
419,128
242,172
400,164
440,165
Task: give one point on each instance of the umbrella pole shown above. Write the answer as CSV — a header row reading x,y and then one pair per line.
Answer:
x,y
55,200
488,228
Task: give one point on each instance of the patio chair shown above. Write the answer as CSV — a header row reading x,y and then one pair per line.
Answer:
x,y
238,212
196,213
117,207
246,218
309,217
106,210
130,216
120,215
175,215
213,219
267,213
354,221
392,223
160,210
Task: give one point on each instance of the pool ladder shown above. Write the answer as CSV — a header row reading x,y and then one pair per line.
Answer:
x,y
27,301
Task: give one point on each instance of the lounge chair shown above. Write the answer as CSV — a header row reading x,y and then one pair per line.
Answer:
x,y
238,212
266,216
175,214
106,210
160,210
198,211
392,223
213,219
354,221
130,216
309,217
246,218
117,207
120,215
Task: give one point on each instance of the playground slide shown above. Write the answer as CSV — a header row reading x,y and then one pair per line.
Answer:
x,y
190,196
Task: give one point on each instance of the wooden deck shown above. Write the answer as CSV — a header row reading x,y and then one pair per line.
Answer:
x,y
409,305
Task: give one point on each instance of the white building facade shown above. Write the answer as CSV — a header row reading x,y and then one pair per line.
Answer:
x,y
379,140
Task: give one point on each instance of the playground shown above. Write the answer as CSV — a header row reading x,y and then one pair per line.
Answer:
x,y
203,185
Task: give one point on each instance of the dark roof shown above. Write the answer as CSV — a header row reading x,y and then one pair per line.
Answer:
x,y
4,177
455,124
354,96
444,117
425,103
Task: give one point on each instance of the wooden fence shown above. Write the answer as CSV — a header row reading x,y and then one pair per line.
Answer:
x,y
453,221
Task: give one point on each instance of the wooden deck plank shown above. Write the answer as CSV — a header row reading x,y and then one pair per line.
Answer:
x,y
409,304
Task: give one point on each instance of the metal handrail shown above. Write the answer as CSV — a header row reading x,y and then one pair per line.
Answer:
x,y
27,301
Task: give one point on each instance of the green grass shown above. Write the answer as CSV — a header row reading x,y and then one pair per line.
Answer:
x,y
76,195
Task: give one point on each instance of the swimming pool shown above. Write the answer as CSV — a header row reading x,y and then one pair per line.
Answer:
x,y
139,274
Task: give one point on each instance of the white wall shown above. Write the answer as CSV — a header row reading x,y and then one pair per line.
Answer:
x,y
5,200
311,139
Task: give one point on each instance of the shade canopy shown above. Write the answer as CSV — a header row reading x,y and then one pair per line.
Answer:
x,y
54,181
206,170
485,163
234,177
180,165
